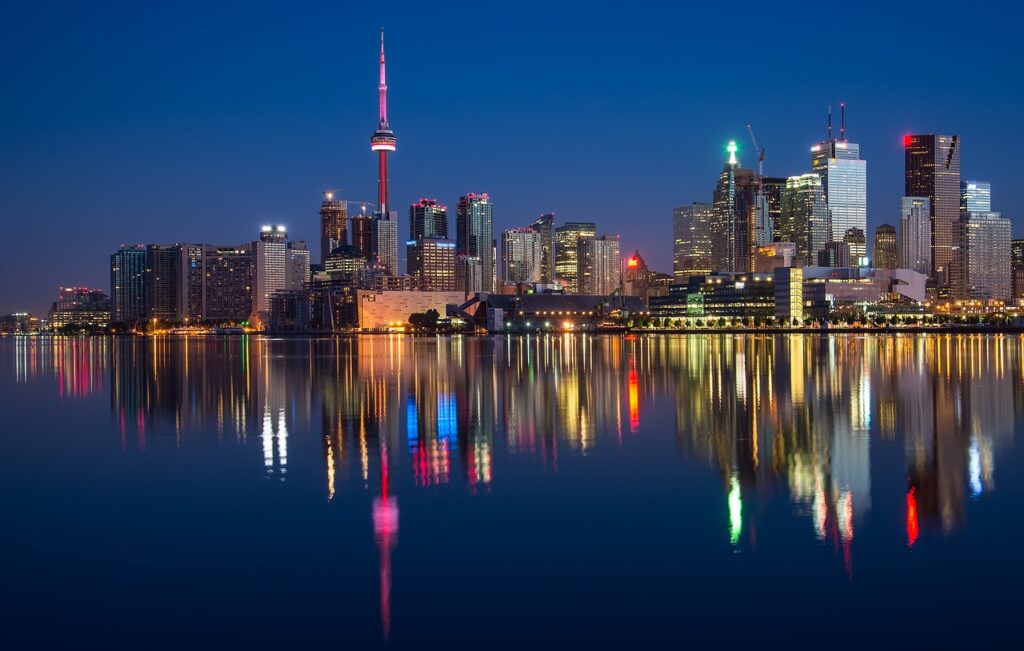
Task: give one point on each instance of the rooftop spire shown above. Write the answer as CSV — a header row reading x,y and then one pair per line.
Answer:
x,y
382,88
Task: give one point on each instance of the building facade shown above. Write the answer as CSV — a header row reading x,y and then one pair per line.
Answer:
x,y
885,254
271,273
474,224
567,238
985,257
932,171
844,181
804,220
333,224
732,241
915,237
128,284
431,263
599,265
975,196
545,227
522,254
691,240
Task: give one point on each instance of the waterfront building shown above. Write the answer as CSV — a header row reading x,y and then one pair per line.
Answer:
x,y
885,254
789,294
599,265
522,253
691,240
1017,257
804,219
545,227
271,273
844,182
474,237
385,310
128,283
79,307
431,263
975,196
228,290
567,239
932,171
345,265
162,282
333,224
915,237
984,257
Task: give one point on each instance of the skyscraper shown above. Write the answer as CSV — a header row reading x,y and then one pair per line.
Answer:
x,y
431,263
228,290
885,254
732,241
474,226
932,171
297,274
271,267
804,218
985,257
691,241
522,255
127,283
1017,256
333,224
427,218
915,239
843,180
545,225
857,246
468,274
383,140
163,275
567,237
975,196
599,264
362,235
385,232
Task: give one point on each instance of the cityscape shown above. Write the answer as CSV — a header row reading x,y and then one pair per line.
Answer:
x,y
765,251
478,326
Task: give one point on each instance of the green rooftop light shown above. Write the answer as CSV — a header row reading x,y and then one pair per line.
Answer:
x,y
732,152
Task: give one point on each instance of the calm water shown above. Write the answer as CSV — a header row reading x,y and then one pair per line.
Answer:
x,y
476,493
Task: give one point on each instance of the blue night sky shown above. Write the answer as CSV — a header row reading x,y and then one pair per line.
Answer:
x,y
133,122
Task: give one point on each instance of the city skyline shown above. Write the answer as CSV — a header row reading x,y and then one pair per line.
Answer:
x,y
220,189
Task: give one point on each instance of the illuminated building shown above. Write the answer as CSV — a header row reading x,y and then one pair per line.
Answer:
x,y
915,238
385,233
383,140
983,257
719,294
932,171
80,307
383,310
639,280
345,265
773,256
804,219
227,292
468,274
789,294
431,263
427,218
1017,257
732,211
545,226
844,181
691,240
522,255
567,239
975,196
127,283
163,282
333,224
270,254
19,323
857,245
297,273
599,262
885,254
835,254
474,236
866,284
362,235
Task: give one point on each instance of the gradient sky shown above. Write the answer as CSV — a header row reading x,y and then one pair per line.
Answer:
x,y
132,122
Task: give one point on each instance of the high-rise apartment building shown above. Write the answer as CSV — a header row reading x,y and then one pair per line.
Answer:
x,y
522,254
804,219
474,237
162,282
885,254
599,264
691,241
468,274
431,263
984,255
427,218
271,260
297,275
932,171
545,226
333,224
228,290
127,283
567,237
385,233
362,235
1017,257
915,237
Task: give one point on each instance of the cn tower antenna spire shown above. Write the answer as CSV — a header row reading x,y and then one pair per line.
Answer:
x,y
382,87
383,141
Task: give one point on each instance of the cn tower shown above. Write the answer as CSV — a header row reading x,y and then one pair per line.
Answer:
x,y
383,139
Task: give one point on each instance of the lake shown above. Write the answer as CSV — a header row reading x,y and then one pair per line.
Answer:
x,y
473,492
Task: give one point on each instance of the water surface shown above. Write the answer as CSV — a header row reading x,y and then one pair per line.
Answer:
x,y
557,491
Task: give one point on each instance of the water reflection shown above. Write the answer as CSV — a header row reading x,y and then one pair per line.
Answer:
x,y
793,416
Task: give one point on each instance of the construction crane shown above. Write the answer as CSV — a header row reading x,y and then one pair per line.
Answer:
x,y
762,225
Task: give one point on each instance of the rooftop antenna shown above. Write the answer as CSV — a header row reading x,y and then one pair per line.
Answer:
x,y
842,121
830,122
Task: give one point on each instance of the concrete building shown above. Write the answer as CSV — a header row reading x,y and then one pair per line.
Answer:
x,y
333,224
385,234
469,277
431,263
127,283
599,265
297,274
385,310
522,255
271,267
789,294
80,307
932,171
885,253
474,237
545,227
915,237
984,257
1017,256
